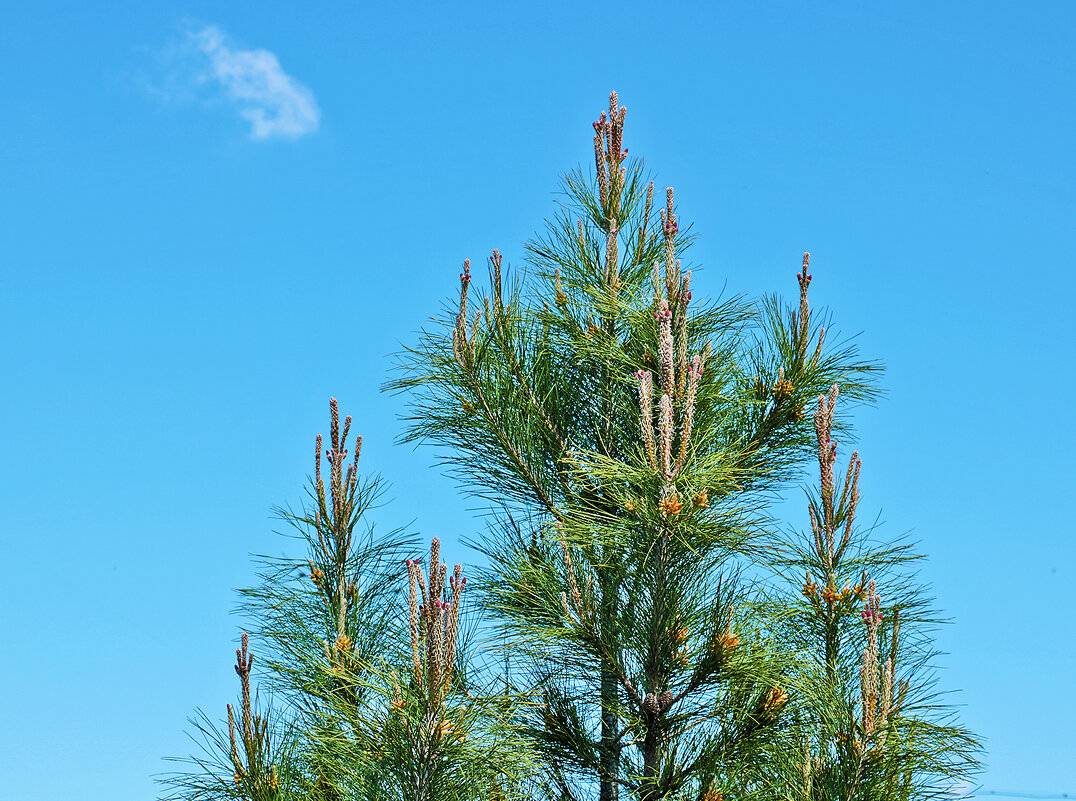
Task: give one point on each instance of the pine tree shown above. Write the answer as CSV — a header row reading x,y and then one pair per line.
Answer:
x,y
629,441
376,697
627,438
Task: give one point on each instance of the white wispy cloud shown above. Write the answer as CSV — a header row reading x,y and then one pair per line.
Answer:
x,y
275,103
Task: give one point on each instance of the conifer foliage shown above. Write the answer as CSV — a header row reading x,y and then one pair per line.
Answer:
x,y
628,439
373,698
872,727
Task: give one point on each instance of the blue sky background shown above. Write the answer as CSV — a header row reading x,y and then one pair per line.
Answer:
x,y
181,293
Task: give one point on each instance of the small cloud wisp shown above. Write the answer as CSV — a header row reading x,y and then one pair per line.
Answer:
x,y
275,104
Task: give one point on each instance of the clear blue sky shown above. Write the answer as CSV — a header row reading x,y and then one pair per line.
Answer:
x,y
186,283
